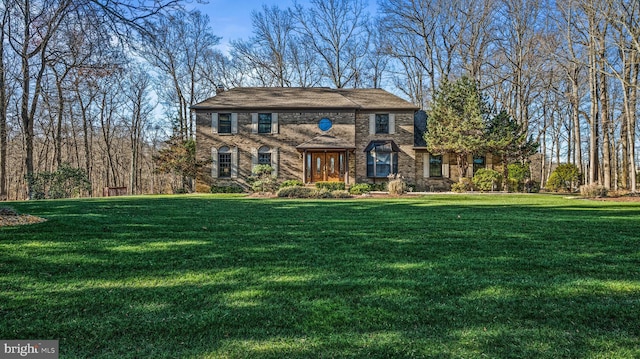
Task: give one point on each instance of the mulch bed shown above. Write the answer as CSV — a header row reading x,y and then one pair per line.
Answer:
x,y
19,220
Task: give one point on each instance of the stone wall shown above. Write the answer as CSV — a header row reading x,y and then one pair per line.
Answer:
x,y
295,128
403,137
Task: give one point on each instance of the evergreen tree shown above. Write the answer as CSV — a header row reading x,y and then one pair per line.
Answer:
x,y
456,122
507,139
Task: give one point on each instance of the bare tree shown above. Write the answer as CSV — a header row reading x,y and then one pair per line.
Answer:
x,y
337,31
269,49
137,93
34,24
178,47
3,108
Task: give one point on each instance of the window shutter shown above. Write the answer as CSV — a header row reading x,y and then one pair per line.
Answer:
x,y
426,162
254,123
372,124
392,123
214,122
274,123
214,162
234,162
254,158
234,123
274,160
445,165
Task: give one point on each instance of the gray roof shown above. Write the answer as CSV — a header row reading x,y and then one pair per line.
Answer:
x,y
304,98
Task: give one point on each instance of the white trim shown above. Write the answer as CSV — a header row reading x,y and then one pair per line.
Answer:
x,y
254,158
275,152
214,162
274,123
426,163
392,123
214,122
234,123
254,122
372,124
445,165
234,162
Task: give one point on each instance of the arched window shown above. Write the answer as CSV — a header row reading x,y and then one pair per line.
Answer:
x,y
264,155
224,162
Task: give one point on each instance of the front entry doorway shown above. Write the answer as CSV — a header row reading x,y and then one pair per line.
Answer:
x,y
326,166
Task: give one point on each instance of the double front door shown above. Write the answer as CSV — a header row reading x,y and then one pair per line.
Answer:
x,y
326,166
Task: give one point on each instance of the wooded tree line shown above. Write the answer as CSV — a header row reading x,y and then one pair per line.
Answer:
x,y
102,85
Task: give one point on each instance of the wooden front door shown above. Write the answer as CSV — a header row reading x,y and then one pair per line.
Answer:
x,y
327,166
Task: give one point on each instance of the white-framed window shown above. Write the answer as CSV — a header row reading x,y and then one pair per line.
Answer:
x,y
479,162
224,123
265,155
433,165
224,162
382,123
382,159
264,123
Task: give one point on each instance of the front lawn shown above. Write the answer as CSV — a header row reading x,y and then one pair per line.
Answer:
x,y
451,276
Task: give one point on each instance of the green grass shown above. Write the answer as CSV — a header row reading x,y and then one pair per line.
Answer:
x,y
449,276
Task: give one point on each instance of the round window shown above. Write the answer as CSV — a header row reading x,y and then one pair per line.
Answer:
x,y
325,124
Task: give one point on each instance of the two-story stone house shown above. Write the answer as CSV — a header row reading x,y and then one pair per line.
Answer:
x,y
315,134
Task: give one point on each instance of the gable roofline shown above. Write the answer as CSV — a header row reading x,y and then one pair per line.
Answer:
x,y
304,98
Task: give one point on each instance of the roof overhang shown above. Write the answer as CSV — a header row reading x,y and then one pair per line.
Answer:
x,y
382,146
326,142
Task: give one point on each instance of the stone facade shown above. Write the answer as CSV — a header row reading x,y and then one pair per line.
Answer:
x,y
296,141
294,129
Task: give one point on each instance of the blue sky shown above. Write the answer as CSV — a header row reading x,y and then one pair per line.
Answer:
x,y
231,19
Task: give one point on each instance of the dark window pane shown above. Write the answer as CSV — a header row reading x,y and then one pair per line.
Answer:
x,y
381,164
224,165
224,123
264,158
382,123
478,163
435,166
264,123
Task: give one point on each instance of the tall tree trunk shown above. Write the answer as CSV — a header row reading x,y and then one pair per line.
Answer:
x,y
632,119
594,117
575,114
3,116
58,136
86,131
606,139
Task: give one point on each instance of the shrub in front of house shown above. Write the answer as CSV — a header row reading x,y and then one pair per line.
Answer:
x,y
295,192
8,211
331,186
321,193
593,191
306,192
564,178
262,179
340,194
360,188
463,185
227,189
518,175
379,187
397,186
487,179
291,183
